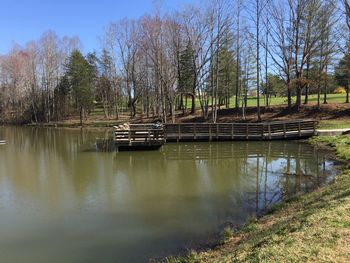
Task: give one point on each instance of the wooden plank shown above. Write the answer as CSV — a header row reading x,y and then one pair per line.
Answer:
x,y
219,131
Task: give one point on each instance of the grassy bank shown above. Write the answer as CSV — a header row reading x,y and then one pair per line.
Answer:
x,y
313,227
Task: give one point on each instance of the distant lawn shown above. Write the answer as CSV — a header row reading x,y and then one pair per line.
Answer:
x,y
252,101
334,124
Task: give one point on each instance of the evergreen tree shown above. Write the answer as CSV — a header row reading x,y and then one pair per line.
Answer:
x,y
227,75
342,74
106,92
81,76
187,75
62,94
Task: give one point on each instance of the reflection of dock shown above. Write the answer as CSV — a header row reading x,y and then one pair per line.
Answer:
x,y
152,136
239,150
2,142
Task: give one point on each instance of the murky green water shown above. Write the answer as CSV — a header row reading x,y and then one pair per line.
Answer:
x,y
63,200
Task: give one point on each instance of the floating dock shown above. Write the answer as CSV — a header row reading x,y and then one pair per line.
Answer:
x,y
153,136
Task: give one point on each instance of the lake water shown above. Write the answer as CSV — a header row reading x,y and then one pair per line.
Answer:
x,y
64,199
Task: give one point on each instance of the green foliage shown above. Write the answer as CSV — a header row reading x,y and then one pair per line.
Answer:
x,y
340,143
62,93
340,90
342,71
227,72
275,85
187,71
81,75
228,233
192,257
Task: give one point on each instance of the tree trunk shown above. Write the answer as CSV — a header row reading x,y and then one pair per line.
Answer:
x,y
319,95
289,96
298,99
81,115
306,101
133,109
325,86
258,59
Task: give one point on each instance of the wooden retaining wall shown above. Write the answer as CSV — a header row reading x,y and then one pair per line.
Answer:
x,y
239,131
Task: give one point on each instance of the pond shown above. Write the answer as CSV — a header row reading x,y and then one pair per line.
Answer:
x,y
64,199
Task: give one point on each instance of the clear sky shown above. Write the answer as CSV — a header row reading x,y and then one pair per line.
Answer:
x,y
25,20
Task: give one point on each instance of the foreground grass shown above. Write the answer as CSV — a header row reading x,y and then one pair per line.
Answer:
x,y
313,227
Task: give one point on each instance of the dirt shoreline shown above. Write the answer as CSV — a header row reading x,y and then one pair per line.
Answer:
x,y
339,112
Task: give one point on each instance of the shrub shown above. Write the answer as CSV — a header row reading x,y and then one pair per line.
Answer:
x,y
340,90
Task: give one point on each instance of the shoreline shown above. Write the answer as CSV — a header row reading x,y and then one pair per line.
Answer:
x,y
261,238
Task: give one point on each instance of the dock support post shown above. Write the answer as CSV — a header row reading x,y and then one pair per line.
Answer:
x,y
210,137
247,132
194,132
314,126
217,131
232,132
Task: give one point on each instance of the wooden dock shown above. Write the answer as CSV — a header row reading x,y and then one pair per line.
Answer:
x,y
139,137
240,131
151,136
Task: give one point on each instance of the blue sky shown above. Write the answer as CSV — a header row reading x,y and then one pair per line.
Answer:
x,y
25,20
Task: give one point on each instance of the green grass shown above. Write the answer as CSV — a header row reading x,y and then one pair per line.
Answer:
x,y
341,144
252,101
313,227
334,124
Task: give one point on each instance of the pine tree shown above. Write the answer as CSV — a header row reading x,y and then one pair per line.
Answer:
x,y
342,74
81,76
227,75
187,76
62,94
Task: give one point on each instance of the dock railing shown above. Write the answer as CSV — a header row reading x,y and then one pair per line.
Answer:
x,y
155,134
240,131
139,134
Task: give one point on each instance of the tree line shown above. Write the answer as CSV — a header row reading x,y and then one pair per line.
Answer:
x,y
197,57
